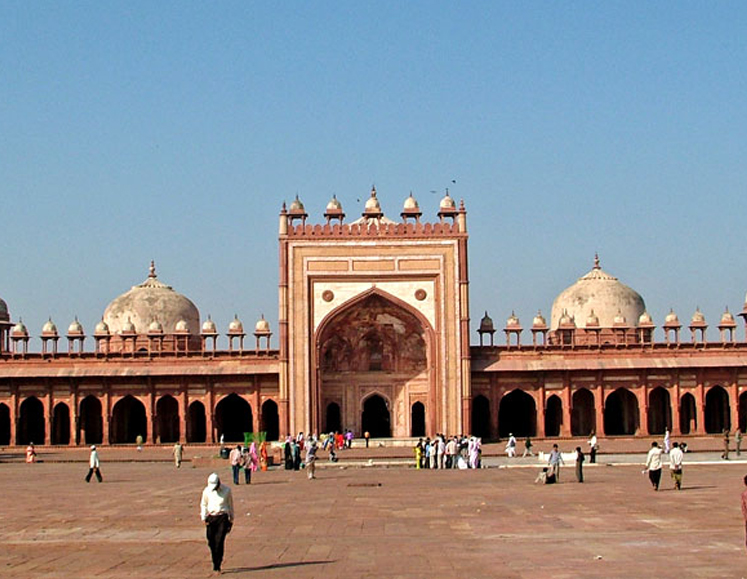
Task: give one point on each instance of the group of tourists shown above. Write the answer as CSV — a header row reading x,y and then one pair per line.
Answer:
x,y
654,464
462,452
246,459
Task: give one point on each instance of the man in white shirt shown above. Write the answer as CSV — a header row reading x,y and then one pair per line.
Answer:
x,y
653,465
676,457
216,511
94,465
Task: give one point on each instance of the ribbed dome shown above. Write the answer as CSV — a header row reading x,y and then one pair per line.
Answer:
x,y
486,324
512,320
334,204
49,327
698,317
262,326
296,205
101,328
671,318
372,203
539,320
447,202
645,319
4,313
209,327
411,203
566,319
727,318
149,301
75,327
600,292
20,329
155,327
236,326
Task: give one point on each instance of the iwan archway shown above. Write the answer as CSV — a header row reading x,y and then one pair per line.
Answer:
x,y
375,344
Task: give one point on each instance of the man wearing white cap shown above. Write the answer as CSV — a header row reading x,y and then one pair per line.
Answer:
x,y
216,510
93,465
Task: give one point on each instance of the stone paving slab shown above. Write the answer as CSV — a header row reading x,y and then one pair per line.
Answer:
x,y
143,521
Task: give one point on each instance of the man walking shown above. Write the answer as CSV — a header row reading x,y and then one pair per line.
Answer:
x,y
653,465
527,447
738,441
555,460
236,460
94,465
593,447
580,464
216,511
178,453
725,454
676,457
311,459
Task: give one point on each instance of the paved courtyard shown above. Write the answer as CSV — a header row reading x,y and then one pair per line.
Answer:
x,y
143,521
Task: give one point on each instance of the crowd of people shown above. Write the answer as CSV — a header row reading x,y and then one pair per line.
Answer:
x,y
460,452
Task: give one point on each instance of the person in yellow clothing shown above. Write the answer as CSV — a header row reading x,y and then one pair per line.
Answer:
x,y
419,453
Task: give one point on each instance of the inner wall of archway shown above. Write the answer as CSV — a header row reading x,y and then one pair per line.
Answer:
x,y
375,348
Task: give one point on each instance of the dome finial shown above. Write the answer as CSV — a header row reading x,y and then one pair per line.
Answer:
x,y
596,261
152,269
373,191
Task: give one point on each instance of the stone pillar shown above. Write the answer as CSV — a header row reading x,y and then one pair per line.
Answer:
x,y
675,403
734,405
48,405
209,414
106,409
565,426
643,401
13,416
183,413
700,407
599,409
541,401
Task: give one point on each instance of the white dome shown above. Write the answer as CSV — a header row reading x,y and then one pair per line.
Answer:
x,y
334,204
372,203
209,327
236,326
101,328
447,202
148,301
181,326
262,326
75,327
19,329
411,203
49,327
539,320
155,327
601,293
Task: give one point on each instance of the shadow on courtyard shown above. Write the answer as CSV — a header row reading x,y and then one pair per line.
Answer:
x,y
276,566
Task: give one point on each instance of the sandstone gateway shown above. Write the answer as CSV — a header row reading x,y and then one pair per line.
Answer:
x,y
374,334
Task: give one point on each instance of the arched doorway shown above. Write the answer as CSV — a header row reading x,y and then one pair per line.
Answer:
x,y
375,419
481,417
167,419
61,424
621,413
659,411
583,416
688,416
417,419
128,421
717,418
517,415
270,420
743,411
332,422
4,425
233,417
374,339
31,422
196,427
90,421
553,416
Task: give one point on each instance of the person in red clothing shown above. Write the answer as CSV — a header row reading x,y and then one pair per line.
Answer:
x,y
744,510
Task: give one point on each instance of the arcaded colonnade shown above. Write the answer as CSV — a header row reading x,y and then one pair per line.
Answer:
x,y
93,401
630,390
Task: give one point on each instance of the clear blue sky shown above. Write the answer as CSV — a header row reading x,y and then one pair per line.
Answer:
x,y
174,131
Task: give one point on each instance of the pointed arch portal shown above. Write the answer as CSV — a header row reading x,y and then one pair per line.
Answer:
x,y
376,419
233,416
621,413
517,415
128,421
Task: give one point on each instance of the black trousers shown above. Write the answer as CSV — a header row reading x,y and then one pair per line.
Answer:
x,y
218,527
91,471
655,477
248,475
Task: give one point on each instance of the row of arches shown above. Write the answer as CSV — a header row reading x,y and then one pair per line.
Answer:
x,y
517,413
233,417
376,418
